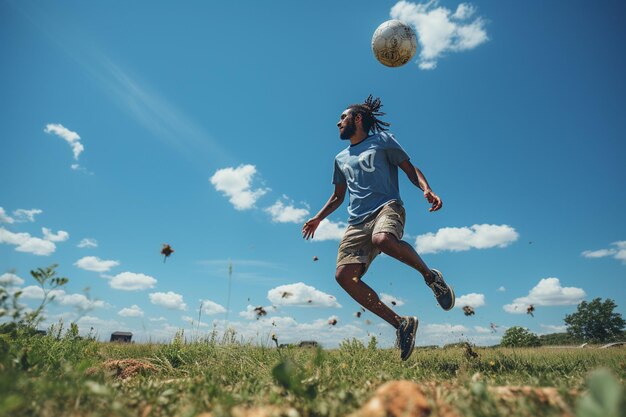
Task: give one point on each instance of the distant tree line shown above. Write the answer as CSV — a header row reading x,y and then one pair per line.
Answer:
x,y
593,322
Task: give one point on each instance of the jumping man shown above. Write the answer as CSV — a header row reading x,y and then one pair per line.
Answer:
x,y
368,168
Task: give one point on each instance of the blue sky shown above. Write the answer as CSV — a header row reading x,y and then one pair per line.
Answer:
x,y
211,127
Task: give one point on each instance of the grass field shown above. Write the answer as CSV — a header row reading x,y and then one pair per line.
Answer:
x,y
62,374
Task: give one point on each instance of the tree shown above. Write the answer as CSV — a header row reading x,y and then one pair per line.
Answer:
x,y
559,339
596,322
519,337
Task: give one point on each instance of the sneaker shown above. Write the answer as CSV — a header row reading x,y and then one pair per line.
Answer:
x,y
443,292
406,336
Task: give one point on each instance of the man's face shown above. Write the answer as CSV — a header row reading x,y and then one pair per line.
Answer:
x,y
346,124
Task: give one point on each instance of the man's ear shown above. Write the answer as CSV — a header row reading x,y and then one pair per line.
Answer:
x,y
358,118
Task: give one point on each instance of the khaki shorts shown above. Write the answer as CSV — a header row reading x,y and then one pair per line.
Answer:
x,y
356,246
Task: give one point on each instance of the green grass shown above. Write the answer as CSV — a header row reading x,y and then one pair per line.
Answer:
x,y
64,375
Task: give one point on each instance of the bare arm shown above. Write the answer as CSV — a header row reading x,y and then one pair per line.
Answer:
x,y
419,180
335,200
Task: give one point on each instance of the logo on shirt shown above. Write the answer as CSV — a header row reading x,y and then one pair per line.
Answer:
x,y
366,160
348,172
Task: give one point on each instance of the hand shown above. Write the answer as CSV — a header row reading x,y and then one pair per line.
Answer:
x,y
433,199
308,230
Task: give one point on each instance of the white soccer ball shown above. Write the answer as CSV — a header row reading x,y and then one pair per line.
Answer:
x,y
394,43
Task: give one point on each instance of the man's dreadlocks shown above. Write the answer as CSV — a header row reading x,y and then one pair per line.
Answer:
x,y
370,111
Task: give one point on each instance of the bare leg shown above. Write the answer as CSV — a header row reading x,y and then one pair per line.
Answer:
x,y
402,251
349,277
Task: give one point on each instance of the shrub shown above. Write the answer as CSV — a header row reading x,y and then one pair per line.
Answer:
x,y
519,337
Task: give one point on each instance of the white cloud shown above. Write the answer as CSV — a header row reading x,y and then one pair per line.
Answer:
x,y
286,213
23,215
8,279
328,230
60,236
77,167
478,236
26,243
209,307
515,308
88,243
236,184
548,292
600,253
157,319
441,334
441,31
464,11
93,263
20,216
70,137
554,329
130,281
33,292
619,252
132,311
288,330
472,299
79,301
483,330
300,295
279,322
501,289
446,328
252,314
100,326
194,322
5,218
169,300
390,299
164,333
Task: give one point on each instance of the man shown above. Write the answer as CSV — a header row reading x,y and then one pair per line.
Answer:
x,y
368,168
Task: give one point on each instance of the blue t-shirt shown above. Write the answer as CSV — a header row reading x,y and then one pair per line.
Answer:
x,y
370,170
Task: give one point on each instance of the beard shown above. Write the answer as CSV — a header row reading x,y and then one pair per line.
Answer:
x,y
348,131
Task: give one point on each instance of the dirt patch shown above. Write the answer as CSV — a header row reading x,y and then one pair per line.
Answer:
x,y
266,411
428,399
544,395
395,399
123,368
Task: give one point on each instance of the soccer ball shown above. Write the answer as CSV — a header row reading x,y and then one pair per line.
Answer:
x,y
394,43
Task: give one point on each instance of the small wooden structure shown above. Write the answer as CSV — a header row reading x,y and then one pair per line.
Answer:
x,y
308,343
124,337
